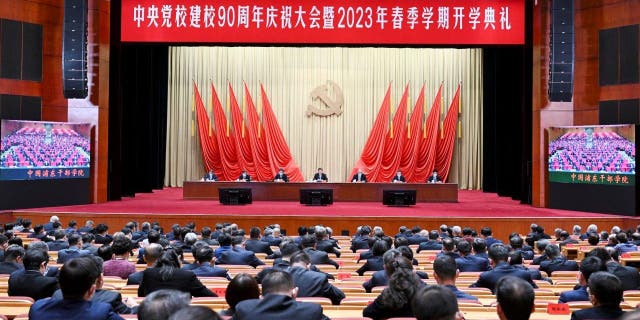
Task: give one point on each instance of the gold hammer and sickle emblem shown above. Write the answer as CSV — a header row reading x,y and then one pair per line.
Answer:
x,y
334,104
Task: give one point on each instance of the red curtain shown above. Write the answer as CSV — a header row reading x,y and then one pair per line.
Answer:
x,y
374,147
448,139
393,147
258,143
208,143
241,135
226,144
411,148
428,144
279,152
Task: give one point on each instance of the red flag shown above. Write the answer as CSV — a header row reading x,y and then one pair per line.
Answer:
x,y
445,145
429,142
226,145
258,143
411,146
241,137
208,143
394,146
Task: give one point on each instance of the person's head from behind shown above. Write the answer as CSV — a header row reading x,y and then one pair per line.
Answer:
x,y
161,304
379,248
516,242
589,266
605,289
279,282
195,313
464,248
152,253
78,277
593,239
479,245
35,259
445,269
515,298
242,287
389,260
435,303
498,253
552,251
14,253
448,244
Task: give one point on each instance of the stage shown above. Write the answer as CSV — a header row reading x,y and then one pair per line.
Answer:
x,y
474,208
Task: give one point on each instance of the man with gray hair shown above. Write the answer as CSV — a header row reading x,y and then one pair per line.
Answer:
x,y
49,225
324,243
152,253
577,232
161,304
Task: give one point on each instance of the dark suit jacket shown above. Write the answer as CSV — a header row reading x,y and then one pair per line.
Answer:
x,y
106,239
379,278
580,294
491,240
539,259
273,241
134,278
601,312
362,178
360,243
365,255
181,280
67,254
558,264
417,239
282,177
376,310
57,245
258,246
9,267
72,310
210,177
472,263
429,245
318,177
32,283
373,264
320,257
207,270
246,178
460,294
240,257
488,279
400,178
431,179
315,284
277,307
628,275
328,246
535,273
114,298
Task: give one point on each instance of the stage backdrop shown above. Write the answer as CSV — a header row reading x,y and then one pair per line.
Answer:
x,y
292,76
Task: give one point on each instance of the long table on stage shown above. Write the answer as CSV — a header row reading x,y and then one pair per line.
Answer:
x,y
273,191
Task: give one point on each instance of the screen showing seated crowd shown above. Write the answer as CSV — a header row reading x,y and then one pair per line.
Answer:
x,y
589,162
34,150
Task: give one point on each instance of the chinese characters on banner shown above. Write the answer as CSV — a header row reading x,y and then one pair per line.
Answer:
x,y
455,22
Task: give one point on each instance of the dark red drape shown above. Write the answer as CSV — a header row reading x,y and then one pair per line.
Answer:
x,y
411,148
393,146
258,142
241,136
428,144
208,143
226,144
448,139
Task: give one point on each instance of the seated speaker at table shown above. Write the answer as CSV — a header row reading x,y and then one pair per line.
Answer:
x,y
210,176
434,177
320,176
281,176
244,176
359,177
398,178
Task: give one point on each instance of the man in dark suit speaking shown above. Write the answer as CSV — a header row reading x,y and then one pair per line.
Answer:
x,y
210,176
281,176
320,176
244,176
359,177
434,177
398,178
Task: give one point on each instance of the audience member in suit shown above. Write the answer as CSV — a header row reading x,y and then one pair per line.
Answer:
x,y
359,177
225,241
498,255
418,236
468,262
398,178
628,276
361,239
78,283
487,235
288,249
52,271
448,245
515,298
49,225
432,243
152,253
274,238
434,177
515,259
195,313
517,244
242,287
605,292
541,245
435,302
239,256
244,176
624,245
12,259
60,241
203,256
210,176
162,304
281,176
206,237
324,243
565,239
317,257
102,237
311,283
74,251
592,228
32,283
40,234
4,243
88,240
380,278
445,272
88,227
167,275
588,266
556,261
278,301
119,264
395,300
320,176
254,244
375,263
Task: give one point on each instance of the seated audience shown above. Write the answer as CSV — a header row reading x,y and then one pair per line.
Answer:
x,y
480,248
375,263
40,234
605,294
225,245
59,242
435,303
445,273
255,244
498,255
32,282
242,287
541,245
515,299
487,234
195,313
361,239
166,274
278,301
78,284
624,245
468,262
317,257
162,304
588,266
515,259
151,255
88,241
74,251
312,283
448,247
326,244
102,237
556,261
238,255
432,243
12,259
119,264
204,267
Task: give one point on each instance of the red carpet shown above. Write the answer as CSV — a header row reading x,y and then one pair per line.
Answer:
x,y
472,204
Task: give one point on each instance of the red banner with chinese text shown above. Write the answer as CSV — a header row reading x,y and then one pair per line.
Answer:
x,y
410,22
